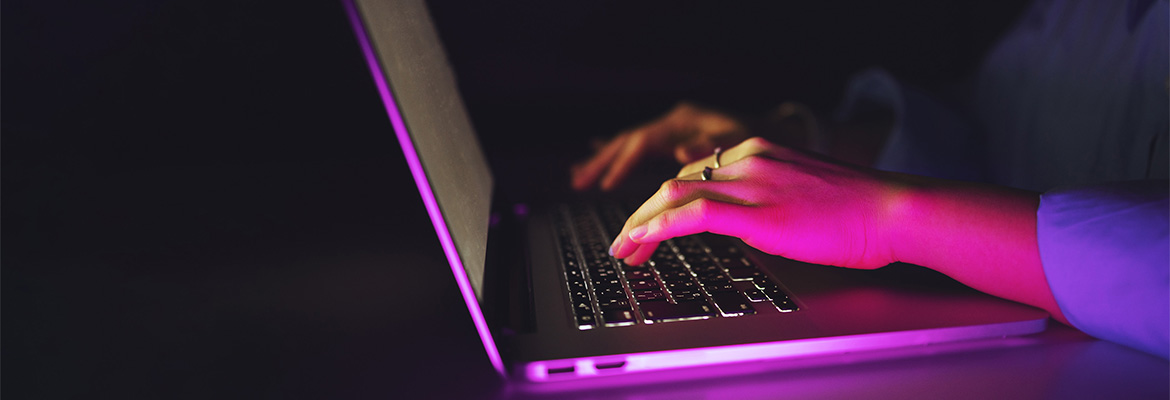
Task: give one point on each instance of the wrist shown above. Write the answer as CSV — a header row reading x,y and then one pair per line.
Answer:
x,y
953,226
903,215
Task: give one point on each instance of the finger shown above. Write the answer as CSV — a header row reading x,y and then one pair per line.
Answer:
x,y
587,173
642,254
700,215
675,193
626,160
748,148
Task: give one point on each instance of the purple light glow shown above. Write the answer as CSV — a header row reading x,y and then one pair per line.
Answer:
x,y
586,367
849,375
424,188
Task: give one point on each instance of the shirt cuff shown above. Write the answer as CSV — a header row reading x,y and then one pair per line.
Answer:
x,y
1106,255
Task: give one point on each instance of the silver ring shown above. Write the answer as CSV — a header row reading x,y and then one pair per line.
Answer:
x,y
706,174
718,152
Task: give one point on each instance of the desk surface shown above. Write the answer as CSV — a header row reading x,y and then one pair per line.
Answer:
x,y
301,280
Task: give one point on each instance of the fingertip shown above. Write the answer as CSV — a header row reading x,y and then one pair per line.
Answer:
x,y
636,259
641,254
607,184
613,178
579,183
622,248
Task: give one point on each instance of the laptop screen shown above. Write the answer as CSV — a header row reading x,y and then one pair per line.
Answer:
x,y
419,90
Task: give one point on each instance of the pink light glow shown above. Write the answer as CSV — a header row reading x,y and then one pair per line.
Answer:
x,y
800,349
424,188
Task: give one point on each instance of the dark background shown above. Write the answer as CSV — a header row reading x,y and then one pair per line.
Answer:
x,y
205,198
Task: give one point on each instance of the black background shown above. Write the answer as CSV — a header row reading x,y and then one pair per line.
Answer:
x,y
206,198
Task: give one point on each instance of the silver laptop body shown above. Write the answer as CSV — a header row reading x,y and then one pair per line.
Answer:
x,y
529,328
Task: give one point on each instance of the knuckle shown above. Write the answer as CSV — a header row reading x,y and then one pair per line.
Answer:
x,y
756,143
760,163
703,208
671,190
667,219
753,163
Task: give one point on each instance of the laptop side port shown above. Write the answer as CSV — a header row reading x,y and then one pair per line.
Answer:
x,y
563,370
610,365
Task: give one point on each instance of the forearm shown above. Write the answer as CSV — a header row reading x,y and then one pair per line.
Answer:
x,y
981,235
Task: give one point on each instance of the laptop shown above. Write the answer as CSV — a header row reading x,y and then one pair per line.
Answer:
x,y
550,305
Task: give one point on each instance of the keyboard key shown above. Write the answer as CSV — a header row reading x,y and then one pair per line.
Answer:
x,y
675,276
681,285
745,274
649,295
755,295
669,265
639,267
686,296
732,303
765,284
579,296
714,279
643,284
719,287
706,269
784,304
612,303
734,263
586,321
575,274
609,293
607,283
599,265
661,311
663,254
773,292
618,317
580,307
603,274
639,275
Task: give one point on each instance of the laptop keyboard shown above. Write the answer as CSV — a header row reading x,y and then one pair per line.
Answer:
x,y
688,278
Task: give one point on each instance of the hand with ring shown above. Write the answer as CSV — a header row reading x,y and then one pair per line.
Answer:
x,y
814,209
776,199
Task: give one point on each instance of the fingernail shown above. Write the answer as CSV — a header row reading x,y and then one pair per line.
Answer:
x,y
638,232
616,243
